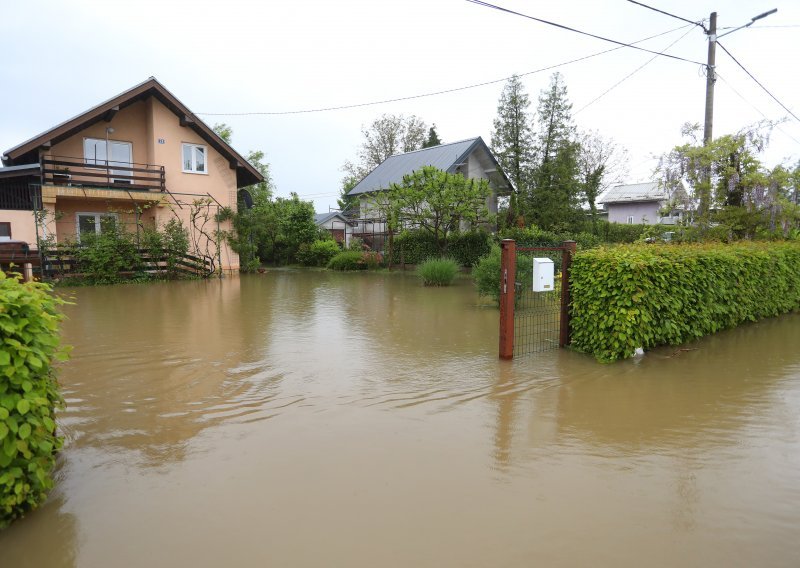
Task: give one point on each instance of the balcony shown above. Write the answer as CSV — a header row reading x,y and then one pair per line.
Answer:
x,y
126,176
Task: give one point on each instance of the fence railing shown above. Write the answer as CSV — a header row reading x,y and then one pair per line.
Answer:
x,y
61,170
62,262
20,196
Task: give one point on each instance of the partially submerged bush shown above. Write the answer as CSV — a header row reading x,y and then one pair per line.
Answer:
x,y
348,260
486,273
634,296
438,271
318,253
29,395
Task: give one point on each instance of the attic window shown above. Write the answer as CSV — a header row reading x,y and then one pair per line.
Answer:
x,y
194,159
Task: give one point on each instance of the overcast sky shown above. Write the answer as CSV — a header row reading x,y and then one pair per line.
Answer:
x,y
62,57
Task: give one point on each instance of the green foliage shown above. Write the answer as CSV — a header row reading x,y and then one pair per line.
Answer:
x,y
348,260
438,271
29,342
618,233
433,138
486,273
103,256
647,295
414,247
318,253
438,202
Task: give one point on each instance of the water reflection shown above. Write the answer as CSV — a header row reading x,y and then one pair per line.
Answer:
x,y
361,419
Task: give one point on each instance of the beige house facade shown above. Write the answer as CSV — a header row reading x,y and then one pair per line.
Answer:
x,y
137,160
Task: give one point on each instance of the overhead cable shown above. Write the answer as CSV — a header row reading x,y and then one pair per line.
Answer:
x,y
629,75
696,23
563,27
758,82
434,93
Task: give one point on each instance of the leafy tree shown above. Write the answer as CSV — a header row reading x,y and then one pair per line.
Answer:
x,y
512,137
433,138
224,131
553,199
438,202
388,134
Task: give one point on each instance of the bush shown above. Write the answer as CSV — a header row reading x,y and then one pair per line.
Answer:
x,y
486,273
415,247
438,271
28,395
348,260
102,257
647,295
618,233
318,253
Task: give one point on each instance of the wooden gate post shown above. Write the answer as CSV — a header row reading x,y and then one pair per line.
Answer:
x,y
508,271
566,260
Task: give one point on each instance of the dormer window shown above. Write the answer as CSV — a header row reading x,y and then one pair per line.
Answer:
x,y
194,159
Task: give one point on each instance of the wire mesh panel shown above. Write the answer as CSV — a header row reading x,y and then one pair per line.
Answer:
x,y
537,315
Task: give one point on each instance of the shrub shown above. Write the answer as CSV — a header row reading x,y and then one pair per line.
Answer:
x,y
318,253
102,257
438,271
646,295
414,247
348,260
486,273
28,395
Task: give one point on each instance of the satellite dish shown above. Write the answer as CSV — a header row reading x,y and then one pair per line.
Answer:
x,y
246,198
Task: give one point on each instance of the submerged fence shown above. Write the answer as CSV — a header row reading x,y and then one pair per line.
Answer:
x,y
533,321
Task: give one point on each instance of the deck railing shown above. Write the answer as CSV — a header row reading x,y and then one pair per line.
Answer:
x,y
61,170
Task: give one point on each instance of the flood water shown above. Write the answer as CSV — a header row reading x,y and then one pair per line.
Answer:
x,y
360,420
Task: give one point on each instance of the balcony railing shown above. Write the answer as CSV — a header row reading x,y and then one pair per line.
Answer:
x,y
60,170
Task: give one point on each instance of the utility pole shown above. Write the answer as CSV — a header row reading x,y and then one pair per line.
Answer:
x,y
711,78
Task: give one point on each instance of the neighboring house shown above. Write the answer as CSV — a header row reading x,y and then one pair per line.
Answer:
x,y
471,158
639,203
337,225
136,160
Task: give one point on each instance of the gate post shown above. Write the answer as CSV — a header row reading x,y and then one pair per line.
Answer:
x,y
508,271
569,248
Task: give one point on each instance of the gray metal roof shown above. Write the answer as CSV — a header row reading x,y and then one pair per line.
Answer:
x,y
634,192
320,218
444,157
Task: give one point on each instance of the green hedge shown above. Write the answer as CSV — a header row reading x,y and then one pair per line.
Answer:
x,y
29,341
318,253
647,295
487,274
415,247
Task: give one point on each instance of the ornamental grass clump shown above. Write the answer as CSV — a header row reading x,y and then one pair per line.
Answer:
x,y
348,260
438,271
29,343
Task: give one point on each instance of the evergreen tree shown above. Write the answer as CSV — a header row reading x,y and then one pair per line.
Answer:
x,y
433,138
512,138
553,199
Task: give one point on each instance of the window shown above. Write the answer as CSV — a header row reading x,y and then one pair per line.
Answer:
x,y
94,152
5,230
194,159
94,223
630,220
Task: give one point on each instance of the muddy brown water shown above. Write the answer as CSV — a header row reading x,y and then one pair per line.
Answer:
x,y
316,419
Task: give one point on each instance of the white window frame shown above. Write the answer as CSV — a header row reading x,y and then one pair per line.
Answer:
x,y
192,145
98,216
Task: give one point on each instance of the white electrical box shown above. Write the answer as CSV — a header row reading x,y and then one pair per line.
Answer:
x,y
542,275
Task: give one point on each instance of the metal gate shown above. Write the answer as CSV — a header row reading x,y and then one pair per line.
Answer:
x,y
532,322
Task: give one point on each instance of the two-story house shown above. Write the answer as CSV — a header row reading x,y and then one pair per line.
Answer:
x,y
639,203
138,159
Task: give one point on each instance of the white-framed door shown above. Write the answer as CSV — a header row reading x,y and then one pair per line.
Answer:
x,y
121,154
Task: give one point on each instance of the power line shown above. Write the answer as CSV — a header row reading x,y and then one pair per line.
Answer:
x,y
563,27
758,110
631,74
758,82
696,23
434,93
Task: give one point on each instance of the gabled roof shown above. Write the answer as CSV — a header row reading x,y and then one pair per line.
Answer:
x,y
445,157
320,218
634,193
27,152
